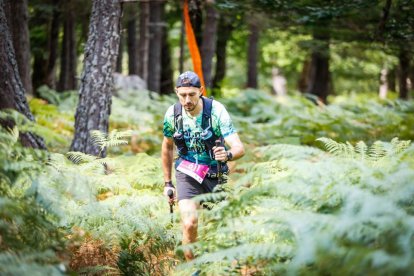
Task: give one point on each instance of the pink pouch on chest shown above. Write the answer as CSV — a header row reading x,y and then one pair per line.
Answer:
x,y
196,171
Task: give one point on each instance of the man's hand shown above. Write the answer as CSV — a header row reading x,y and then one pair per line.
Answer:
x,y
220,154
171,199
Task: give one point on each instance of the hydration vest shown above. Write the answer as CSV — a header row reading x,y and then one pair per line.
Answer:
x,y
207,135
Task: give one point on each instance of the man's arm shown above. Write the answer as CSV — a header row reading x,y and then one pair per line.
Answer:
x,y
236,148
167,160
167,157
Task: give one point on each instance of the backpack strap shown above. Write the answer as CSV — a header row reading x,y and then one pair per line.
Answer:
x,y
178,118
207,107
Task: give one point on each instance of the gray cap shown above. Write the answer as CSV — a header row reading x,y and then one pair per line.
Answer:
x,y
188,79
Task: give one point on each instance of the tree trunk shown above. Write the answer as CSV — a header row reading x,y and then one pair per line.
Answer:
x,y
155,50
68,62
303,81
384,19
196,18
223,37
120,57
18,19
404,71
132,46
208,48
12,93
252,55
319,74
383,87
53,46
39,71
392,82
44,64
97,78
144,38
167,83
182,46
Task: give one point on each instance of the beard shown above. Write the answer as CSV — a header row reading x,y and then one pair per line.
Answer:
x,y
190,107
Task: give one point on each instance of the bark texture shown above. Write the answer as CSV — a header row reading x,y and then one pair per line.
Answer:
x,y
95,93
18,18
208,48
12,93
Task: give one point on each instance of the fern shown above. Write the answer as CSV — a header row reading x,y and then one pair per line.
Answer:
x,y
376,152
115,138
80,157
36,263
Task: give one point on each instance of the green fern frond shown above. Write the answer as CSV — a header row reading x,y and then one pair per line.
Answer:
x,y
334,147
99,139
361,149
116,135
113,139
115,143
257,251
377,151
30,263
14,134
399,146
80,157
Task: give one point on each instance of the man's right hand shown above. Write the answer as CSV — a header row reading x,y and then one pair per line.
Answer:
x,y
171,199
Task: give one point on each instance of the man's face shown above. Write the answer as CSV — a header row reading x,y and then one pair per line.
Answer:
x,y
189,97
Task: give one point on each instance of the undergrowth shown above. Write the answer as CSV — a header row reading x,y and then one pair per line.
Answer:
x,y
289,208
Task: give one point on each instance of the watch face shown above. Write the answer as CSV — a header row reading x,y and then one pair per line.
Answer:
x,y
229,155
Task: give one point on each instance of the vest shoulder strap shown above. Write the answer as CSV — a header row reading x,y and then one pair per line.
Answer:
x,y
178,118
207,107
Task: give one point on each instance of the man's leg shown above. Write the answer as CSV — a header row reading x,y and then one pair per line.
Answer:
x,y
189,218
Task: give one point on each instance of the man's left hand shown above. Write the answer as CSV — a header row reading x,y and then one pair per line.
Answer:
x,y
220,154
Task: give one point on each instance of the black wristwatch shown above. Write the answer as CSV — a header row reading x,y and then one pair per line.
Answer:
x,y
169,184
229,155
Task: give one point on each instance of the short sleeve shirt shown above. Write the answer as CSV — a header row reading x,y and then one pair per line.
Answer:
x,y
221,125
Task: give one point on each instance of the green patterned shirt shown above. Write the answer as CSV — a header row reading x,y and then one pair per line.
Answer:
x,y
222,126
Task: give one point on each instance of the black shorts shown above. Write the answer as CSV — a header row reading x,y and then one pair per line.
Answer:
x,y
188,187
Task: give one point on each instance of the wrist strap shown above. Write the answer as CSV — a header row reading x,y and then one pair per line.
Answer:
x,y
169,184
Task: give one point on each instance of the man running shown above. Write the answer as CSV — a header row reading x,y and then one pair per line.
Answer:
x,y
195,125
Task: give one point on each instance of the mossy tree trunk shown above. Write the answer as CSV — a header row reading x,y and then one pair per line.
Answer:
x,y
95,93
